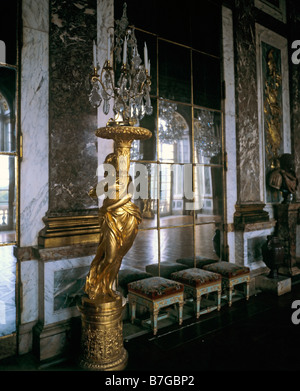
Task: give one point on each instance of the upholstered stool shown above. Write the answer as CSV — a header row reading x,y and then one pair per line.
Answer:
x,y
164,269
155,293
200,261
198,282
130,274
232,275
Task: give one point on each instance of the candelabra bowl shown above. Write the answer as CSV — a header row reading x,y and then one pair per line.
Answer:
x,y
123,132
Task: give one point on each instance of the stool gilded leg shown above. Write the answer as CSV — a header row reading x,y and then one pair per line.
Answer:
x,y
180,310
154,318
219,299
247,290
132,307
198,303
230,290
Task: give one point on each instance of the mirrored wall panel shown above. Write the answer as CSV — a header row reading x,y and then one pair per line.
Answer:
x,y
178,174
8,155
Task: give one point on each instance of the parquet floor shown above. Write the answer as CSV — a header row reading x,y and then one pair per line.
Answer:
x,y
175,242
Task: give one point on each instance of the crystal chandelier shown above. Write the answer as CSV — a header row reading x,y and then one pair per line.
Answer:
x,y
206,142
171,123
131,91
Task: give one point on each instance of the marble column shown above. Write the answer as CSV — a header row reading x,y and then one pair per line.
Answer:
x,y
34,120
251,220
249,160
72,214
34,168
230,128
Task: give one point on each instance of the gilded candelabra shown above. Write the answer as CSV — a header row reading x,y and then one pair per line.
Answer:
x,y
102,306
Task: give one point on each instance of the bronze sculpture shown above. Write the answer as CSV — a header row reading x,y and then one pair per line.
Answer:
x,y
283,177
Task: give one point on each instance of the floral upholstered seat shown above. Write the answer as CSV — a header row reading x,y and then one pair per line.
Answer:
x,y
198,282
196,277
227,269
232,275
155,287
127,275
155,293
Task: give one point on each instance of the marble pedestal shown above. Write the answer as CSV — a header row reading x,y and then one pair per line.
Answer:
x,y
287,216
279,285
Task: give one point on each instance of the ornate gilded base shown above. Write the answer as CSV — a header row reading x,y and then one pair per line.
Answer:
x,y
102,335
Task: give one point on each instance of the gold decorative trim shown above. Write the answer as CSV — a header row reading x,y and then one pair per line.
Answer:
x,y
69,230
249,214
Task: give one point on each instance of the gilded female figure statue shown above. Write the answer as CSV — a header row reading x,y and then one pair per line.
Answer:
x,y
119,219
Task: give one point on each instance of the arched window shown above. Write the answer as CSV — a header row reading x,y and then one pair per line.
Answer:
x,y
7,170
8,174
5,125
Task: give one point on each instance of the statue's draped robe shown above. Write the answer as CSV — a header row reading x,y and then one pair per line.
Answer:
x,y
118,229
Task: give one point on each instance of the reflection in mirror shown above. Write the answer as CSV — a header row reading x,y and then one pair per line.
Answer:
x,y
206,81
172,125
146,149
208,193
208,241
176,243
144,181
174,203
7,114
135,151
8,158
207,136
144,250
7,199
174,132
174,72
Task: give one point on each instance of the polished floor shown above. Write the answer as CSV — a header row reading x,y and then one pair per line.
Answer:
x,y
258,335
174,240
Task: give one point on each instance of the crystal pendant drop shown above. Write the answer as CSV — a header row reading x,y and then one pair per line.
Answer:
x,y
106,106
94,97
149,110
136,61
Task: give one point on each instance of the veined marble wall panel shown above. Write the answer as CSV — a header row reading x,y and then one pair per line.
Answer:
x,y
63,281
29,291
35,14
230,128
73,121
34,120
248,157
